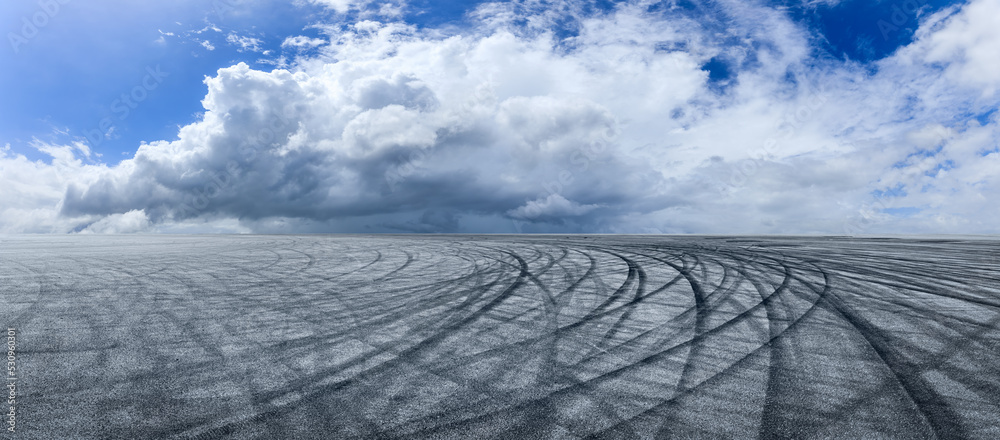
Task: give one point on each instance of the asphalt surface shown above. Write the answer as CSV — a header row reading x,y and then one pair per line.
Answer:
x,y
503,337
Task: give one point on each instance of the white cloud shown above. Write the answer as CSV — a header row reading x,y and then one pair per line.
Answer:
x,y
302,42
33,191
341,6
162,38
131,222
207,45
618,129
210,27
966,42
381,7
244,43
553,207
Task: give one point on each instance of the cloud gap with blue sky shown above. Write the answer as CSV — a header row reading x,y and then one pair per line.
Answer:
x,y
734,117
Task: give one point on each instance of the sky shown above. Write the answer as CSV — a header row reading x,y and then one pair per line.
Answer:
x,y
522,116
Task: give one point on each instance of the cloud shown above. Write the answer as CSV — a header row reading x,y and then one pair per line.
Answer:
x,y
965,41
244,43
619,127
131,222
366,7
341,6
555,207
302,42
33,191
162,38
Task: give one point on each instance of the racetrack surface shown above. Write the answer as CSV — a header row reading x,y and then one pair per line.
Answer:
x,y
503,336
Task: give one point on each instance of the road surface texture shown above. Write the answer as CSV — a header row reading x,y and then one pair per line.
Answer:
x,y
451,337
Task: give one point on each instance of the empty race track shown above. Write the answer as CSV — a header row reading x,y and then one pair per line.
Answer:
x,y
503,337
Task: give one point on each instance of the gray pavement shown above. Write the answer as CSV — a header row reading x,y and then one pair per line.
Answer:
x,y
503,336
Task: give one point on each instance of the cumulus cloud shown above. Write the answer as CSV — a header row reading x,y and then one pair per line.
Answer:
x,y
619,128
32,191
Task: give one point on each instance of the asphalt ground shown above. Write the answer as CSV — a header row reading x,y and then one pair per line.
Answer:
x,y
502,337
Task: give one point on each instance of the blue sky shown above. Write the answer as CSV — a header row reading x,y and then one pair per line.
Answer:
x,y
79,98
60,84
